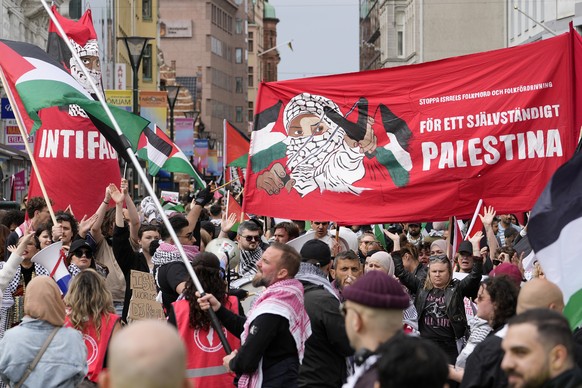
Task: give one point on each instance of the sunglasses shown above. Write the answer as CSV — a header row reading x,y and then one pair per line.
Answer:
x,y
369,242
251,238
83,252
442,258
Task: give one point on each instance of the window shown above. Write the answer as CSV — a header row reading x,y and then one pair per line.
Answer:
x,y
251,112
239,114
221,19
238,27
238,55
400,19
216,46
75,9
251,80
146,9
238,84
400,44
147,63
251,42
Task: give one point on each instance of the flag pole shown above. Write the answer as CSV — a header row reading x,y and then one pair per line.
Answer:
x,y
27,146
145,181
474,219
224,148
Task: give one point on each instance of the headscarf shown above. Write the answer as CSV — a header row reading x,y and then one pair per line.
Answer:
x,y
43,301
385,260
442,244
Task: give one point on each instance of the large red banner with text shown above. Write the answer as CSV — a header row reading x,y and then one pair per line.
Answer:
x,y
418,142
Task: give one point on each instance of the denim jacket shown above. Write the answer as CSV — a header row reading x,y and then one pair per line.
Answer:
x,y
64,363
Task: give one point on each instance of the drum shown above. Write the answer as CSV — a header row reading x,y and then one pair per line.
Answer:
x,y
246,284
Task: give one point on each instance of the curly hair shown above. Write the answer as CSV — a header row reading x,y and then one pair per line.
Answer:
x,y
207,268
89,299
503,293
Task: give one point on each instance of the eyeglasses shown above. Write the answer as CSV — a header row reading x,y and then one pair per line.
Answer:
x,y
83,252
187,235
251,238
443,258
369,242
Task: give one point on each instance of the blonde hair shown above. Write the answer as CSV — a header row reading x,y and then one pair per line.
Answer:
x,y
88,298
428,283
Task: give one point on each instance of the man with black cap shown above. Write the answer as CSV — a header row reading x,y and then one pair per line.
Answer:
x,y
373,313
324,363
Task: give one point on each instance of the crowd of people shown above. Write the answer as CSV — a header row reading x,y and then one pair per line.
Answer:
x,y
329,306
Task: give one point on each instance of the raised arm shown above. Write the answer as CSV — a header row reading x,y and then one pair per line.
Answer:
x,y
133,214
487,220
96,227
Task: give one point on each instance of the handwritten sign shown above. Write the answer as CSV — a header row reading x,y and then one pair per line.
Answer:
x,y
143,304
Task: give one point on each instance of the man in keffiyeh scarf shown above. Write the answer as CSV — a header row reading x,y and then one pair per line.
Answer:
x,y
273,335
248,238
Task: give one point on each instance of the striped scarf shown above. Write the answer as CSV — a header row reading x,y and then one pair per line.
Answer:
x,y
248,261
284,298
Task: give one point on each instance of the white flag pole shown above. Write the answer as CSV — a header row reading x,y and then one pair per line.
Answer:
x,y
141,174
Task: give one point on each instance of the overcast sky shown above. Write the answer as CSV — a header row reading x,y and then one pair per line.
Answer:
x,y
325,37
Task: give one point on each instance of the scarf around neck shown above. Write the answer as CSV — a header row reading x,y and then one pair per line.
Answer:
x,y
283,298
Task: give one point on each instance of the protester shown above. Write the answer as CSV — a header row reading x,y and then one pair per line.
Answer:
x,y
8,269
411,362
127,258
274,334
324,364
373,314
285,231
496,303
17,288
248,238
346,269
204,349
45,235
483,366
66,228
439,301
539,351
38,214
81,257
145,354
64,361
367,242
90,311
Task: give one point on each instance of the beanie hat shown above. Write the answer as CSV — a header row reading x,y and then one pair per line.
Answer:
x,y
509,270
377,290
316,250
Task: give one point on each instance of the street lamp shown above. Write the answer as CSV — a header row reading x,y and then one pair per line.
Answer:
x,y
135,47
173,91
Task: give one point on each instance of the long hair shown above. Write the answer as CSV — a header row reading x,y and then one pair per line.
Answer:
x,y
211,277
503,293
88,299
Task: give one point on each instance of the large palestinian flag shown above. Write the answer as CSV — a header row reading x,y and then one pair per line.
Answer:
x,y
554,234
37,81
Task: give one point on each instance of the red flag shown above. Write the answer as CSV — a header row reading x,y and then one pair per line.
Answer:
x,y
366,146
476,225
233,207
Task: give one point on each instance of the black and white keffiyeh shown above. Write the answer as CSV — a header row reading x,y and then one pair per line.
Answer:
x,y
248,261
312,274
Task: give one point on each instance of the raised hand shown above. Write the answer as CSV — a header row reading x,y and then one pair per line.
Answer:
x,y
487,219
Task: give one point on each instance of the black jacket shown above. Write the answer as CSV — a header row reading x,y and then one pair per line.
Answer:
x,y
324,362
570,379
454,293
127,259
483,367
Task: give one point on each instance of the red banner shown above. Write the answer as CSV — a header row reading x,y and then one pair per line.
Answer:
x,y
418,142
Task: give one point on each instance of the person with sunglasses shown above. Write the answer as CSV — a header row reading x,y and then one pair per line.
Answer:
x,y
82,256
439,301
248,237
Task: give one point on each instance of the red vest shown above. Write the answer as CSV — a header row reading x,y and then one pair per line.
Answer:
x,y
96,345
205,354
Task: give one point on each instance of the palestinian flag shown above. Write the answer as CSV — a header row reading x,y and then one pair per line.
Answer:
x,y
554,234
161,153
36,81
236,146
379,234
